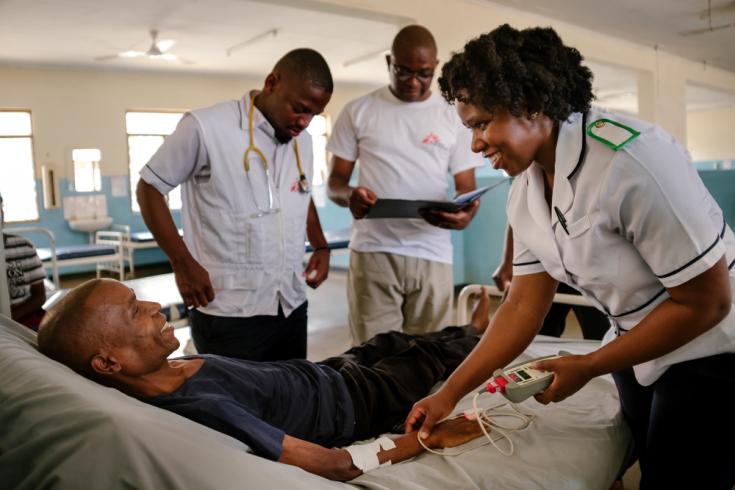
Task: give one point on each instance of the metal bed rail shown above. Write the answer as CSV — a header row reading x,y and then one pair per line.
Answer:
x,y
463,313
115,239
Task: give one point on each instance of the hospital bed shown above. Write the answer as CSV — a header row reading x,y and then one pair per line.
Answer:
x,y
140,240
160,288
60,430
105,253
135,240
463,307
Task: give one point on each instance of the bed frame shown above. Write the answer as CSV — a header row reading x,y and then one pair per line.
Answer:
x,y
105,253
338,240
463,306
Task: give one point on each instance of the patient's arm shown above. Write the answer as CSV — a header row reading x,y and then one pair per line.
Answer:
x,y
336,464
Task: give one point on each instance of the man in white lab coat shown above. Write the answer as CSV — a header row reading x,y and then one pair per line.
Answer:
x,y
245,167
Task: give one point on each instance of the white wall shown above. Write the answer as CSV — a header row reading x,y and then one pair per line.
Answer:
x,y
83,108
78,108
711,134
663,84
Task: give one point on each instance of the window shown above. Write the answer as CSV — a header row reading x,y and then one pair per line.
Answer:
x,y
87,176
17,175
146,131
319,131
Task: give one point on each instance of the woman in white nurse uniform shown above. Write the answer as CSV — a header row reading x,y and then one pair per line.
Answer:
x,y
612,207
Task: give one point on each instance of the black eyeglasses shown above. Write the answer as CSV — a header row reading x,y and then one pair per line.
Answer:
x,y
404,74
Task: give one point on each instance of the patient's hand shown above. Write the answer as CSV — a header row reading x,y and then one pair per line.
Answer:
x,y
454,432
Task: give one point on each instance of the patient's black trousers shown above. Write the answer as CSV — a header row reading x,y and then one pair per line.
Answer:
x,y
390,372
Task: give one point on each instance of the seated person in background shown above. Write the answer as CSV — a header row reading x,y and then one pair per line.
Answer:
x,y
288,411
25,281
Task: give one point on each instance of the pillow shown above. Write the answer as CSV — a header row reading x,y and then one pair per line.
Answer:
x,y
62,431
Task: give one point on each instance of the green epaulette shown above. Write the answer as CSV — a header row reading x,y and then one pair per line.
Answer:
x,y
611,133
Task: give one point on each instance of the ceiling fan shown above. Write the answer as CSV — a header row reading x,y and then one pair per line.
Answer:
x,y
157,51
707,14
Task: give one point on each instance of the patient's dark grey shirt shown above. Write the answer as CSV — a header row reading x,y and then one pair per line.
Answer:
x,y
259,402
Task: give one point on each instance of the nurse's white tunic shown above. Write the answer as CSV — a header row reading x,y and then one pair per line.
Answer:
x,y
624,225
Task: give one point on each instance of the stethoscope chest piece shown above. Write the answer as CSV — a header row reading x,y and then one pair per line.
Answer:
x,y
304,186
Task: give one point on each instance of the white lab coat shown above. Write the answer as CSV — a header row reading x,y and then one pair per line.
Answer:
x,y
254,263
623,226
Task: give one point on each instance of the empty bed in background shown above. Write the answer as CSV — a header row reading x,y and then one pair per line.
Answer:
x,y
105,253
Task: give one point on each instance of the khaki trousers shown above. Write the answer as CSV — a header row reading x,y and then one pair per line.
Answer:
x,y
391,292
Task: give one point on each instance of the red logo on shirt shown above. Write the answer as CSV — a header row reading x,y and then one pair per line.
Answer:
x,y
430,139
295,186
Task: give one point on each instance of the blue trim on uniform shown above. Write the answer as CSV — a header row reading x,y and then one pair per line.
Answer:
x,y
158,176
641,306
724,225
526,263
584,148
731,264
717,239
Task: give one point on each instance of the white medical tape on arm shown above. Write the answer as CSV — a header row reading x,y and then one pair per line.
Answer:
x,y
365,456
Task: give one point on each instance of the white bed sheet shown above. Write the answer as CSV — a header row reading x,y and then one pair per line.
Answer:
x,y
580,443
61,431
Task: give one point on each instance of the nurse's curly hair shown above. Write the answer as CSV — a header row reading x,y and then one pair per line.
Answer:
x,y
523,71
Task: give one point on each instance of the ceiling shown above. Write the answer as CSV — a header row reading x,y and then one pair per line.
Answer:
x,y
236,37
75,32
667,24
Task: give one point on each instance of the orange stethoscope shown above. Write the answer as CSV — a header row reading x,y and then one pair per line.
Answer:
x,y
252,148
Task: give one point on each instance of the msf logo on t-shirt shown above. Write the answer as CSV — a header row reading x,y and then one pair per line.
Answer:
x,y
430,139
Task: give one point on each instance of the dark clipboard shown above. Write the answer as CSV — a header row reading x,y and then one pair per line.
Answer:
x,y
404,208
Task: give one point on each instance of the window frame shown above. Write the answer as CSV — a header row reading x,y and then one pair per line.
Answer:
x,y
33,163
96,171
127,144
327,154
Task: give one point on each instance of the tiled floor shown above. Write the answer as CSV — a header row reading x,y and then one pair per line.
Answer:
x,y
328,333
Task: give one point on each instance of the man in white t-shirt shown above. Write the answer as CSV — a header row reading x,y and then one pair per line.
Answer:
x,y
407,140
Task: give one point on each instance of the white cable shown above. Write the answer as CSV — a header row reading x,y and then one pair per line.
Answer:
x,y
486,422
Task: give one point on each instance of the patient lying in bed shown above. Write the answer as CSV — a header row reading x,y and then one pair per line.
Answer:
x,y
288,411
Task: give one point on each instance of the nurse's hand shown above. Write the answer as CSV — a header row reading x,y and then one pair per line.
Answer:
x,y
317,269
426,413
361,200
193,282
458,220
571,374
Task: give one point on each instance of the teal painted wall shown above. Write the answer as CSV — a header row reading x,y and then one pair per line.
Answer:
x,y
721,184
482,245
483,240
477,250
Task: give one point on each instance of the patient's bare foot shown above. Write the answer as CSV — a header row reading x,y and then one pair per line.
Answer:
x,y
481,314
